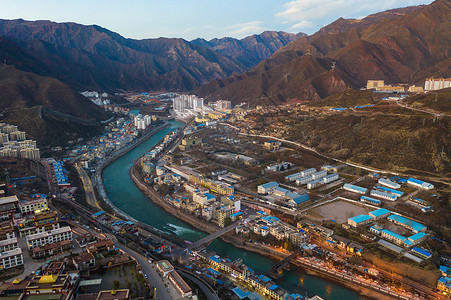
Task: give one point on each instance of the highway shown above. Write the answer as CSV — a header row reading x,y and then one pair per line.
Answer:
x,y
87,186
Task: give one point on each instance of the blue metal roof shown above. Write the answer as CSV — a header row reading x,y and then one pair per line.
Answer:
x,y
417,236
355,187
393,234
360,218
269,185
407,222
380,212
398,193
421,251
370,199
215,259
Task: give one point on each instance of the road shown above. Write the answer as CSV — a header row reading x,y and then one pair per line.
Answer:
x,y
87,186
205,288
310,149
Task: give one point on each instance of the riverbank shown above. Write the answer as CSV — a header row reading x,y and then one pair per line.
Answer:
x,y
241,242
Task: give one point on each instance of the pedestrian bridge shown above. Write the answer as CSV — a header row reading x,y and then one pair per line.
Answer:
x,y
281,264
208,239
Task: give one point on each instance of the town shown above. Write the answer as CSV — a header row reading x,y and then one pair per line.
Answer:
x,y
225,172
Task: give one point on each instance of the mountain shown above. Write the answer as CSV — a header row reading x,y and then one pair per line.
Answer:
x,y
19,89
250,50
398,46
48,110
92,57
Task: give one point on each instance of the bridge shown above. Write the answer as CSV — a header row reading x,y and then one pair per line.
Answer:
x,y
208,239
281,264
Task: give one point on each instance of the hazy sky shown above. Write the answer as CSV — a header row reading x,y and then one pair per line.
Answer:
x,y
190,19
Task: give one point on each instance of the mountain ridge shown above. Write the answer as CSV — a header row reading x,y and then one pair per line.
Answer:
x,y
400,48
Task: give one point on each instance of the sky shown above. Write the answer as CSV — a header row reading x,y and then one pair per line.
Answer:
x,y
190,19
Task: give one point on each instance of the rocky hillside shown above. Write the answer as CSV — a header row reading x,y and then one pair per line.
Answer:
x,y
252,49
92,57
401,46
48,110
19,89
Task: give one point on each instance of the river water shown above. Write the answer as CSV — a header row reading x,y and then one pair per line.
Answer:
x,y
126,196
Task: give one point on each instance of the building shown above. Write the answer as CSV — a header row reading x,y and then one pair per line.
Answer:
x,y
391,191
9,244
6,230
370,200
51,249
272,145
180,284
223,104
415,89
164,267
122,294
410,224
315,183
203,198
32,206
11,259
190,142
384,195
355,188
267,187
48,237
421,184
392,236
444,285
433,84
318,175
84,261
415,239
374,84
379,213
359,220
224,213
308,172
304,180
388,183
102,246
330,178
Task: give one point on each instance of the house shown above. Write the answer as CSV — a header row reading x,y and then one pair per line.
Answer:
x,y
267,187
84,261
272,145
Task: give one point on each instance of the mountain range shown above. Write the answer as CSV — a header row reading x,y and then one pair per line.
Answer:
x,y
404,45
92,57
250,50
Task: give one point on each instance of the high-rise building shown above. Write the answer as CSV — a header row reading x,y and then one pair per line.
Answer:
x,y
374,84
223,104
433,84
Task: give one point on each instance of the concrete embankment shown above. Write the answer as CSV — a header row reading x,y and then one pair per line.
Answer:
x,y
103,194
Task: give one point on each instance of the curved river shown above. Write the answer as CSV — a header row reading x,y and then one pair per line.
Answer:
x,y
126,196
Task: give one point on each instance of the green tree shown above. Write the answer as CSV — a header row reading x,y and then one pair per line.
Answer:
x,y
227,221
116,285
288,246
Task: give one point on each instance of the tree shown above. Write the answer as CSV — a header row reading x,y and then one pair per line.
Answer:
x,y
227,221
288,246
116,285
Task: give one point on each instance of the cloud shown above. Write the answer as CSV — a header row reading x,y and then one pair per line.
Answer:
x,y
243,29
302,25
308,13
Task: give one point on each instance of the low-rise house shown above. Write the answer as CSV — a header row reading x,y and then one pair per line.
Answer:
x,y
84,261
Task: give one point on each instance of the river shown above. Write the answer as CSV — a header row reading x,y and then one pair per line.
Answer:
x,y
126,196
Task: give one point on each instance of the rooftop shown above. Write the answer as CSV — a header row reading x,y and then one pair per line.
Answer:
x,y
360,218
380,212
